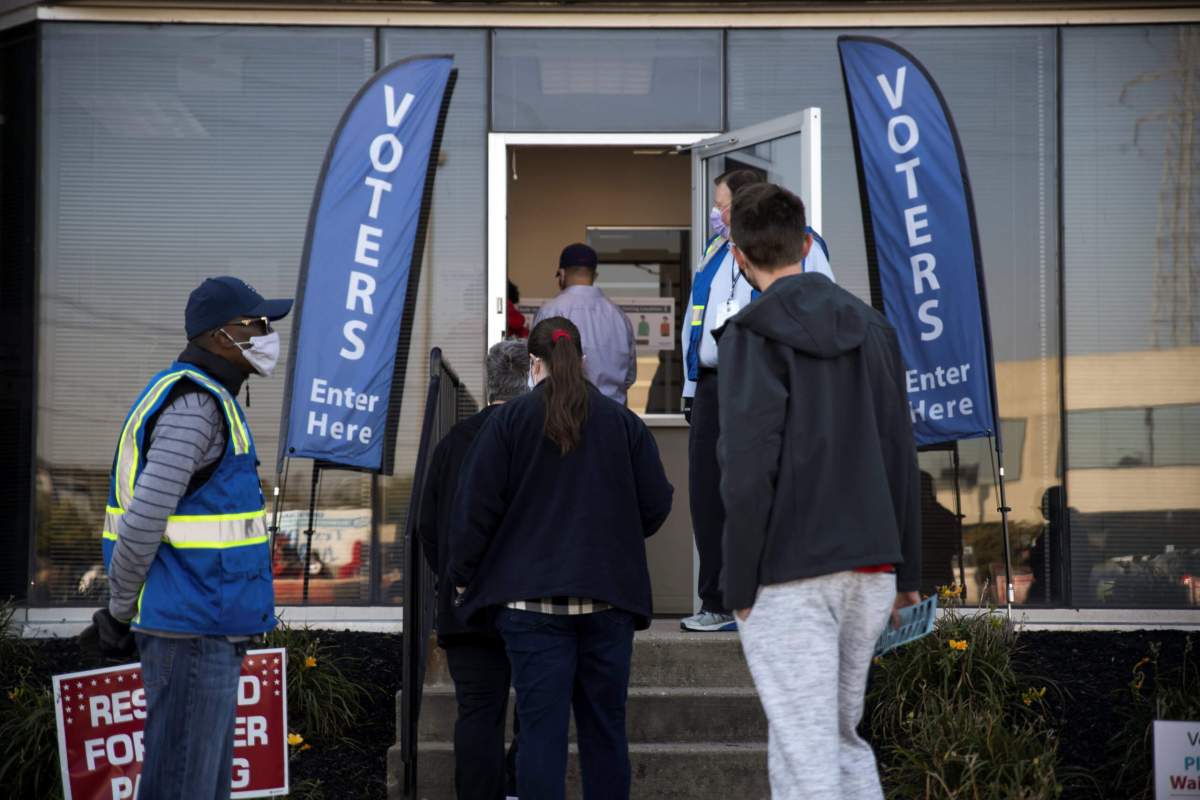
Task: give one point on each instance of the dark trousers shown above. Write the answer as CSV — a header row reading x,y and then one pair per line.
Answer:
x,y
704,490
562,663
479,667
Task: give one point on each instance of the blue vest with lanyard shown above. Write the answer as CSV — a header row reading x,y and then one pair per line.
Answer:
x,y
715,251
212,573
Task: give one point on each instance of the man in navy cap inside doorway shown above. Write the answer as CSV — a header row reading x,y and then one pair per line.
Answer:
x,y
609,348
185,541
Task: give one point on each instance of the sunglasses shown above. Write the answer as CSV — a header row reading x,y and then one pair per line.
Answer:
x,y
255,324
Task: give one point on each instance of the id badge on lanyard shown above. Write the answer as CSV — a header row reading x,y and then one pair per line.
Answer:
x,y
730,306
724,311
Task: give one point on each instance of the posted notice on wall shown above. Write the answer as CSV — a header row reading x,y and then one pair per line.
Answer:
x,y
1176,760
102,714
652,318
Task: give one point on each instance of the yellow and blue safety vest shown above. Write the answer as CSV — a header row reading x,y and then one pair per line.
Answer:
x,y
714,255
212,573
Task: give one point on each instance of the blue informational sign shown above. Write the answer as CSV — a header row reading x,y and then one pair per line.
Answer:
x,y
358,279
924,263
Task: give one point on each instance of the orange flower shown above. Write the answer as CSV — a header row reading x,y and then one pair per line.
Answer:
x,y
310,662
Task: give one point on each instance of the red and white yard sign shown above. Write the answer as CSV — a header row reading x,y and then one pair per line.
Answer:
x,y
102,712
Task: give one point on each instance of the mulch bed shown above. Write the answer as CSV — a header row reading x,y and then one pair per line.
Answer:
x,y
1093,670
351,770
1090,668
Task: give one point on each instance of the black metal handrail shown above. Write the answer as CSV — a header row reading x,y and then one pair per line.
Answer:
x,y
447,401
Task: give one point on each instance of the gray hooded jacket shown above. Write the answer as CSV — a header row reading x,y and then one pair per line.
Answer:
x,y
818,466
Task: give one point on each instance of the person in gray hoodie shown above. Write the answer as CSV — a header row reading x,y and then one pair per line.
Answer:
x,y
821,488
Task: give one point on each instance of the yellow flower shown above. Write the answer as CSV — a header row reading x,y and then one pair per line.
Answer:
x,y
877,661
958,644
310,662
295,739
1031,694
949,592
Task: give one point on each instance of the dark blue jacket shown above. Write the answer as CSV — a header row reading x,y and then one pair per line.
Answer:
x,y
433,525
531,522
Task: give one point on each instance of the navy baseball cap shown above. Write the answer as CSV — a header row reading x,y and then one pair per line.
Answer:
x,y
577,255
220,300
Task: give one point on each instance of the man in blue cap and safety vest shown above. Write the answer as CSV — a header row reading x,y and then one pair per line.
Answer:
x,y
185,541
718,292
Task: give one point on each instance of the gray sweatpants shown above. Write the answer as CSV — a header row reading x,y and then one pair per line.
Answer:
x,y
809,644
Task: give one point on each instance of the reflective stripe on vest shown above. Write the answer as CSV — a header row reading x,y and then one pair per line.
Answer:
x,y
128,458
213,531
714,244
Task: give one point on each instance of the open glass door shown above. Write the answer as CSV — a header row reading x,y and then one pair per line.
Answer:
x,y
785,150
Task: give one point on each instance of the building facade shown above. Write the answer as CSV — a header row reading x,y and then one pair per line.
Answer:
x,y
147,146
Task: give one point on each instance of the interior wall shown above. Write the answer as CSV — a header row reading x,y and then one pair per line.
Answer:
x,y
559,191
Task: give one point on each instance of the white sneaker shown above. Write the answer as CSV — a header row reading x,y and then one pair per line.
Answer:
x,y
708,621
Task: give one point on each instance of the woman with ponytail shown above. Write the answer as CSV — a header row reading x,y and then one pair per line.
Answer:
x,y
559,492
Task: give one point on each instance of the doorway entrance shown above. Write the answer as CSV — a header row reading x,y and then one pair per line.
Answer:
x,y
633,206
641,201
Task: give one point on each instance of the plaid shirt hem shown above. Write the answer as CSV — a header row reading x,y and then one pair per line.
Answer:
x,y
560,606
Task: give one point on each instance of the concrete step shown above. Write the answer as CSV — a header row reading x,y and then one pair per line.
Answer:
x,y
662,656
660,771
653,715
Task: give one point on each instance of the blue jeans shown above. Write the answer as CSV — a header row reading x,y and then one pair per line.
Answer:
x,y
560,663
191,701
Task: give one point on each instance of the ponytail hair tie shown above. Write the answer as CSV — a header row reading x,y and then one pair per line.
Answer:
x,y
559,333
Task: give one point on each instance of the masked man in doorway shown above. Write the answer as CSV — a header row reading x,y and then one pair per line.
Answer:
x,y
718,292
185,541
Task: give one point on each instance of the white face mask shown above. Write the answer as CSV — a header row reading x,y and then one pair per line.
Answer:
x,y
261,351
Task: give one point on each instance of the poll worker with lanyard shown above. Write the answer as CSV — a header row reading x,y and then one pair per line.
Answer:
x,y
185,541
718,292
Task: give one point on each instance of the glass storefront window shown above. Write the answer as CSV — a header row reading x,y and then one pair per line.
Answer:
x,y
454,278
607,80
1132,371
169,154
1008,136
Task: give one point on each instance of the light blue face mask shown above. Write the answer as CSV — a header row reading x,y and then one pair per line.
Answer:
x,y
717,224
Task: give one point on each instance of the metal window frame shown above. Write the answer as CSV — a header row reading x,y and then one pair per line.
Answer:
x,y
807,123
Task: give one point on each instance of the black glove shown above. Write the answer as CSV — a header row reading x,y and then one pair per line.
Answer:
x,y
687,409
108,638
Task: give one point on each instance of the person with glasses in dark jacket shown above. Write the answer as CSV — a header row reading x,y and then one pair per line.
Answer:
x,y
474,653
559,493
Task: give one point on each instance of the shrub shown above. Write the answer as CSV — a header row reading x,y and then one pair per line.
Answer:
x,y
28,740
16,653
310,789
955,749
953,719
1152,693
322,701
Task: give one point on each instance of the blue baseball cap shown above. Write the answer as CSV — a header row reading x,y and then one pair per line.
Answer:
x,y
220,300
